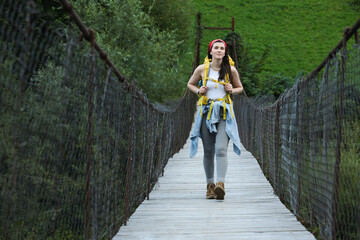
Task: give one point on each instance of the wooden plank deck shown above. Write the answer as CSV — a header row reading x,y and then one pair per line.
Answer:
x,y
178,209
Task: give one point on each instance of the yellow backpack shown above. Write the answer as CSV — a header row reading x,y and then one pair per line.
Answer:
x,y
205,100
206,73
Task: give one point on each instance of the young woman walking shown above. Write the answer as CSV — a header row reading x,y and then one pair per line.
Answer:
x,y
215,122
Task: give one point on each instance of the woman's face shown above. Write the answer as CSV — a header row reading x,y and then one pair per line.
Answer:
x,y
218,50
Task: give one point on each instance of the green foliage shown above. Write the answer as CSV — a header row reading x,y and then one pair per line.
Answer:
x,y
52,10
355,2
29,138
349,198
249,66
43,128
172,16
145,54
275,85
300,34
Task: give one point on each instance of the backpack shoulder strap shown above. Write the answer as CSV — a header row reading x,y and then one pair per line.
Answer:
x,y
206,70
207,63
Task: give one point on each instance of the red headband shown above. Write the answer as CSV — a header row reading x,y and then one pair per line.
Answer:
x,y
217,40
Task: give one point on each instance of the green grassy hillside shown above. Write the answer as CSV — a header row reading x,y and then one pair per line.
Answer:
x,y
300,33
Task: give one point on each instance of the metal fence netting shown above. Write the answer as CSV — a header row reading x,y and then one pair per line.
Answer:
x,y
79,149
307,144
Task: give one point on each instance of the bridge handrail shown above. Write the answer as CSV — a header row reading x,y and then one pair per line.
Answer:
x,y
307,142
81,147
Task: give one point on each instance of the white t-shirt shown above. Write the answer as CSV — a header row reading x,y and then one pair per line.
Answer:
x,y
215,90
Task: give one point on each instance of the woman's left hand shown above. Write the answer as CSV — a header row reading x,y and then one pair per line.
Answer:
x,y
228,88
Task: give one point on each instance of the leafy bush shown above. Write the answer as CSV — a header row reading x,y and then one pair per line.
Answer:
x,y
355,2
300,33
250,67
172,16
275,85
146,55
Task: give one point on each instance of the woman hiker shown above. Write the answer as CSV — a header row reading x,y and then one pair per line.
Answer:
x,y
215,122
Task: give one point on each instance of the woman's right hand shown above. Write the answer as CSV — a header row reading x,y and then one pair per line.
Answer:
x,y
203,90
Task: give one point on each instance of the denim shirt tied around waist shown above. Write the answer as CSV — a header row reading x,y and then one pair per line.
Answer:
x,y
231,126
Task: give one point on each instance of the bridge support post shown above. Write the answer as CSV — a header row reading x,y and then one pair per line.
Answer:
x,y
339,138
129,158
277,148
235,54
151,158
299,113
196,61
89,134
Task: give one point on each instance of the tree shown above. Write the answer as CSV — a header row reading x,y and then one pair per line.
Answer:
x,y
172,16
250,67
146,55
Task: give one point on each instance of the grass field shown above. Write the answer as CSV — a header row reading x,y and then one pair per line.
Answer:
x,y
299,33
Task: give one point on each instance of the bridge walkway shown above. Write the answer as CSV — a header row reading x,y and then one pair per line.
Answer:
x,y
178,209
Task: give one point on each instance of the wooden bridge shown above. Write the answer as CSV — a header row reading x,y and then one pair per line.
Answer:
x,y
81,146
178,209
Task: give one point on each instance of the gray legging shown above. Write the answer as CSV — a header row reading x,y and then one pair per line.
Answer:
x,y
216,143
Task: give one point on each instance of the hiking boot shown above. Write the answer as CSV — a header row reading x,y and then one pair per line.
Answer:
x,y
219,190
210,194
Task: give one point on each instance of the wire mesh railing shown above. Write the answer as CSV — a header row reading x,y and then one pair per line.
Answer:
x,y
80,148
308,143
